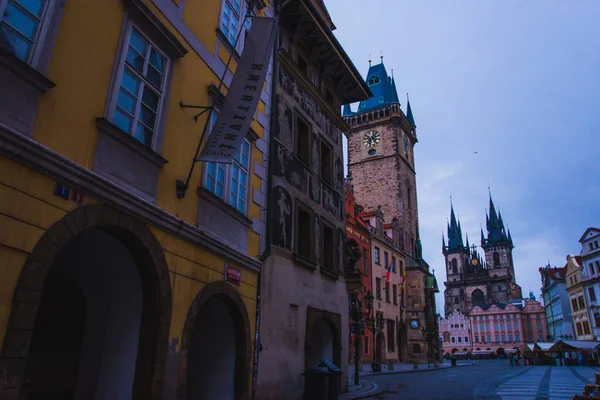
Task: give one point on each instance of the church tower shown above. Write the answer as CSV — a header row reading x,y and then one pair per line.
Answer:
x,y
381,140
498,249
473,281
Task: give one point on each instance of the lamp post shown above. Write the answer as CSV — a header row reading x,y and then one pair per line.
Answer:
x,y
428,332
376,326
357,325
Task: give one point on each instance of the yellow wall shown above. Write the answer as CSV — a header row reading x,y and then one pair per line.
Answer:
x,y
81,67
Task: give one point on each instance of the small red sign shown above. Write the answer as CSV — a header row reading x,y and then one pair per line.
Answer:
x,y
233,274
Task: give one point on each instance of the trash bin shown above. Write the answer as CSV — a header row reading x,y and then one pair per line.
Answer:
x,y
322,382
334,382
315,383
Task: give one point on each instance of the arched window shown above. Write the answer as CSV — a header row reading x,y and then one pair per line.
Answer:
x,y
496,259
477,298
454,267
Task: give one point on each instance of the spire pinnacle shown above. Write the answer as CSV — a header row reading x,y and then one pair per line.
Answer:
x,y
369,59
409,113
381,55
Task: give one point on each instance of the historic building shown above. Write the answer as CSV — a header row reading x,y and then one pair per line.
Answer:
x,y
115,285
590,273
472,280
455,332
381,142
304,314
577,298
391,342
359,232
501,326
556,302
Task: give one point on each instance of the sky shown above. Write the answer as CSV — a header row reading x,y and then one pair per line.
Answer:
x,y
506,95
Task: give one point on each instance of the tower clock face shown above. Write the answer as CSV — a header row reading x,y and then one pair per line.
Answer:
x,y
371,139
414,323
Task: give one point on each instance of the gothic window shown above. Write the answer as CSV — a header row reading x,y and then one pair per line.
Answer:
x,y
456,301
496,257
454,267
477,298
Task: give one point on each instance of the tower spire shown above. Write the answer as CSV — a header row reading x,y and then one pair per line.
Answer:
x,y
369,60
454,231
409,114
495,225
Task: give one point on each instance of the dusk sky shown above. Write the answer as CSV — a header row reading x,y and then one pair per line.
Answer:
x,y
516,81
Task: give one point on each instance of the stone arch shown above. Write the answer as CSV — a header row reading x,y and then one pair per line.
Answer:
x,y
237,308
145,250
334,321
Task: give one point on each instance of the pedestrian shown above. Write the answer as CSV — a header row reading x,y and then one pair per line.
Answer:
x,y
579,358
510,357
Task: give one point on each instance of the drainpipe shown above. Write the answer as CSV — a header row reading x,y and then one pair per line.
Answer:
x,y
269,200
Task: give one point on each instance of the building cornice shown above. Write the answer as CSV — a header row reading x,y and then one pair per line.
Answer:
x,y
48,162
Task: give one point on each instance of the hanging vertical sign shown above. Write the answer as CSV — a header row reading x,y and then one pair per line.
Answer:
x,y
241,101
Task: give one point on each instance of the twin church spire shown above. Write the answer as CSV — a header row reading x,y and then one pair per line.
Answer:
x,y
497,234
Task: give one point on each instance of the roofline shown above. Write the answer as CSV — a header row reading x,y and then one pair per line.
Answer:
x,y
586,232
340,50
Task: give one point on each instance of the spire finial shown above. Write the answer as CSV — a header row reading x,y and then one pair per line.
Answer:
x,y
392,73
369,59
381,54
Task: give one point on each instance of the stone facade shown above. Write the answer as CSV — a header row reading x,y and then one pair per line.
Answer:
x,y
577,299
556,302
304,295
381,142
472,280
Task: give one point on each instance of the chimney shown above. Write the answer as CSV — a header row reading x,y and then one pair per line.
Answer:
x,y
396,233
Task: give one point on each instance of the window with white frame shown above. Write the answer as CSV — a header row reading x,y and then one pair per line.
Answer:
x,y
229,182
233,19
21,26
141,85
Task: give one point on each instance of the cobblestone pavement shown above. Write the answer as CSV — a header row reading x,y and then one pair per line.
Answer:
x,y
488,380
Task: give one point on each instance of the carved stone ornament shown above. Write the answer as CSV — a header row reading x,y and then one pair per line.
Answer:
x,y
352,255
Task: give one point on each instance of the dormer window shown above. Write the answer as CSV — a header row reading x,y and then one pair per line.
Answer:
x,y
381,99
374,80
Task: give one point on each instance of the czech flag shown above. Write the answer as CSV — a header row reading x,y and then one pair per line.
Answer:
x,y
387,275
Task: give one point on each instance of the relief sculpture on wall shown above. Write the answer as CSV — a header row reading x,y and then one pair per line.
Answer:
x,y
284,122
314,187
282,221
329,202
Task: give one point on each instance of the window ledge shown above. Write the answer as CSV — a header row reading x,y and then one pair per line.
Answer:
x,y
329,273
205,194
304,262
229,46
25,71
129,141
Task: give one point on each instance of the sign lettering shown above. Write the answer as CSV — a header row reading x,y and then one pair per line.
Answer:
x,y
243,95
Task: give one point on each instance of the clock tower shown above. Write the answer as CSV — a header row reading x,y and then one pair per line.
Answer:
x,y
381,161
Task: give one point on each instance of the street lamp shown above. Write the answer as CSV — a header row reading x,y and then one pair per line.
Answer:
x,y
428,332
376,326
357,325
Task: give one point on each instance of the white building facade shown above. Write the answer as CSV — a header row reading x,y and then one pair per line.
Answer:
x,y
590,273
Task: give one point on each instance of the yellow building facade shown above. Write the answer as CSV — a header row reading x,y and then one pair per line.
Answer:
x,y
114,285
579,305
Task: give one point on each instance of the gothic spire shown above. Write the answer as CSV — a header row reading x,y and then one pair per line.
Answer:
x,y
346,110
443,242
409,114
467,236
454,232
482,237
495,225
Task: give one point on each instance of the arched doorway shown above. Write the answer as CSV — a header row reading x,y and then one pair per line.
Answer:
x,y
216,348
320,343
96,287
380,348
